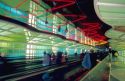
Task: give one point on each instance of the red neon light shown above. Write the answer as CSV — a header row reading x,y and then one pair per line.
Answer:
x,y
95,35
92,25
69,15
98,38
62,6
61,0
73,15
91,30
78,20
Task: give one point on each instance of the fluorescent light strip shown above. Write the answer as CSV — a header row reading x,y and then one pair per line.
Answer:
x,y
111,17
110,4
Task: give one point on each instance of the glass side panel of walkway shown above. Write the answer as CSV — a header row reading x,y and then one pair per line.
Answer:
x,y
108,70
118,68
100,72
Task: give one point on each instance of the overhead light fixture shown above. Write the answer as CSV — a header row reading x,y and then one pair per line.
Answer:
x,y
110,4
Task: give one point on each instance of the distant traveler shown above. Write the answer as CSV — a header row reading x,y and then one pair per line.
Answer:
x,y
63,58
66,57
114,55
53,58
59,57
46,59
76,56
93,57
86,63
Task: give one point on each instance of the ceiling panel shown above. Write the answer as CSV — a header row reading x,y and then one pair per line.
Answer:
x,y
113,34
113,1
122,37
110,9
111,12
117,44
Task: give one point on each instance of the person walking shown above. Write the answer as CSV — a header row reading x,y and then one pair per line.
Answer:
x,y
46,59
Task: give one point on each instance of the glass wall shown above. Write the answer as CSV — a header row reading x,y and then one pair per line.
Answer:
x,y
37,16
18,42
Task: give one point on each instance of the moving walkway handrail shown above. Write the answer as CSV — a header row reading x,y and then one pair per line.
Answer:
x,y
110,58
109,72
22,65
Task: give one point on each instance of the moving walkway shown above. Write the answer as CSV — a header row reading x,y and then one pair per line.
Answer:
x,y
36,69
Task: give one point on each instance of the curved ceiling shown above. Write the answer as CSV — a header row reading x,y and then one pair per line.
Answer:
x,y
112,12
79,12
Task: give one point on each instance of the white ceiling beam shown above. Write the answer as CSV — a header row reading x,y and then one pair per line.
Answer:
x,y
112,17
110,4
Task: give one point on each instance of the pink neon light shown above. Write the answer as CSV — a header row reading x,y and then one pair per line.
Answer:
x,y
61,0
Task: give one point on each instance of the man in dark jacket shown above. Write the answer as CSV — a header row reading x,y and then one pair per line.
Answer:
x,y
59,57
93,57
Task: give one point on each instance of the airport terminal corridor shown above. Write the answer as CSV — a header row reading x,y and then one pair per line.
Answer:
x,y
62,40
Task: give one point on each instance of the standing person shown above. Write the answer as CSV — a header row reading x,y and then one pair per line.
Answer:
x,y
63,58
59,57
114,55
53,58
66,57
49,58
76,56
86,63
98,58
46,59
93,58
3,64
82,55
